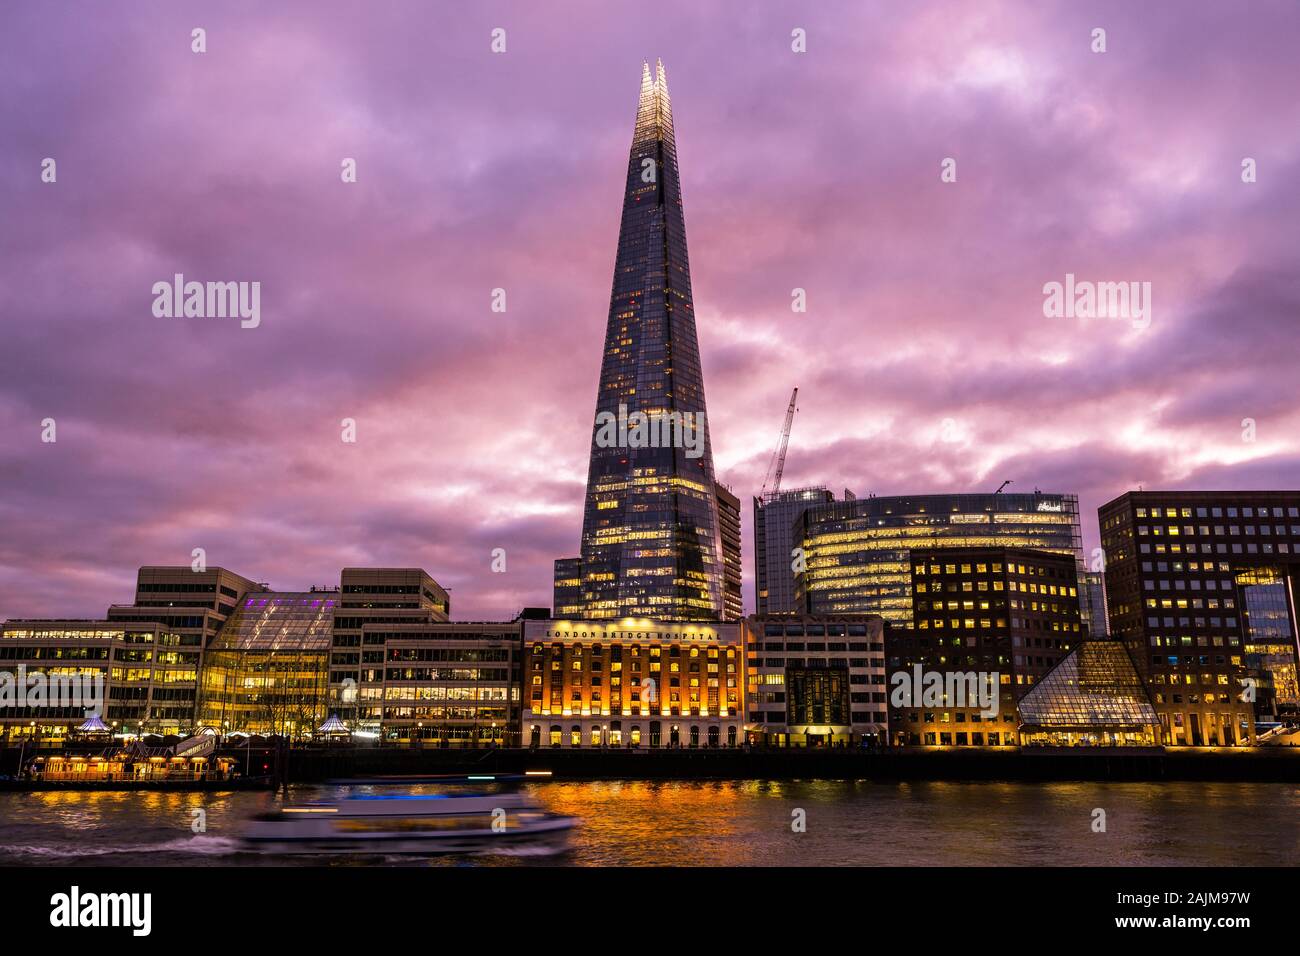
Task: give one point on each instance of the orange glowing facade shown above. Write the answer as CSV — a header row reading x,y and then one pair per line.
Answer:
x,y
632,683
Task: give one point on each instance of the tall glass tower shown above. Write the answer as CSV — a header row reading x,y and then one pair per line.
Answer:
x,y
650,535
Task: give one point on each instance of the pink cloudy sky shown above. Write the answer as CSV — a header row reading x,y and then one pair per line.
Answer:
x,y
477,170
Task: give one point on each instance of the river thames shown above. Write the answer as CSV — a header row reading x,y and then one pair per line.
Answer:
x,y
730,823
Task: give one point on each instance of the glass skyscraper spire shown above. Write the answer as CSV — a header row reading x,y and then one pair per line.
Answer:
x,y
650,533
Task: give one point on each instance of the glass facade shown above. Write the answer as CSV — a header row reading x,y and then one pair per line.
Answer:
x,y
267,672
858,553
1092,603
1094,696
650,534
446,684
1270,640
729,530
566,597
775,514
817,696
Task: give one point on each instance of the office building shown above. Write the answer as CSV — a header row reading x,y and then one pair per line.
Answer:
x,y
148,653
373,596
1201,587
815,681
447,685
267,671
566,598
191,607
858,552
54,673
987,625
213,650
733,607
408,675
775,515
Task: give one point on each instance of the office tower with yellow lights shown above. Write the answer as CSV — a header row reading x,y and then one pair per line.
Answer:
x,y
729,530
997,619
1202,586
651,543
856,554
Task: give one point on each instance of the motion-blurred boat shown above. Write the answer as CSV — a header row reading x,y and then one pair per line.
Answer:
x,y
411,823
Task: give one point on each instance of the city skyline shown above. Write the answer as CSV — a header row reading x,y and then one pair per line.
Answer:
x,y
924,364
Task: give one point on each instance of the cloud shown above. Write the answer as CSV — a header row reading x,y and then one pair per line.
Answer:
x,y
476,171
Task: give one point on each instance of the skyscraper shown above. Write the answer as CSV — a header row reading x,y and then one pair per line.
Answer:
x,y
650,533
774,516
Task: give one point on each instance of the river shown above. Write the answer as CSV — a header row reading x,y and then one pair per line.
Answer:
x,y
732,823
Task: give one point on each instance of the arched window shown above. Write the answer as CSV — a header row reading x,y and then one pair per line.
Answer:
x,y
695,736
555,735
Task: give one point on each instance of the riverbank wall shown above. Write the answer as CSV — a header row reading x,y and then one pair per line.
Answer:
x,y
320,764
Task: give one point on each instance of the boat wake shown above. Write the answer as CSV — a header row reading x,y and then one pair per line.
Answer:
x,y
201,845
523,851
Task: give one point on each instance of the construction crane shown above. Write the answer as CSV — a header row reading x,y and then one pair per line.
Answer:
x,y
778,457
1001,486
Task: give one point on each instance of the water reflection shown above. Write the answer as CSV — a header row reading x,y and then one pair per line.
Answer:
x,y
735,823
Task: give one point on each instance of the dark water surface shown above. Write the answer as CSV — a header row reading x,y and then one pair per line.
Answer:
x,y
732,823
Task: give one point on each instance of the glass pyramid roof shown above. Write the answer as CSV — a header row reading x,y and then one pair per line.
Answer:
x,y
1096,685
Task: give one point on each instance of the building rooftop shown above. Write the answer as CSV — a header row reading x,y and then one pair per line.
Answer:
x,y
280,621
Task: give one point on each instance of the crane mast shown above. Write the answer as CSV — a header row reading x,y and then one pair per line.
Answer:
x,y
778,458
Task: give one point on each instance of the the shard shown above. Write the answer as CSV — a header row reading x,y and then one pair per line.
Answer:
x,y
650,533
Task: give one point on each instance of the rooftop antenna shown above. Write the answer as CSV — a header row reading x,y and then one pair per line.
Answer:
x,y
778,457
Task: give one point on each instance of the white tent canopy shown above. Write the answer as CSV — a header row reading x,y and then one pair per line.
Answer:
x,y
94,724
332,726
